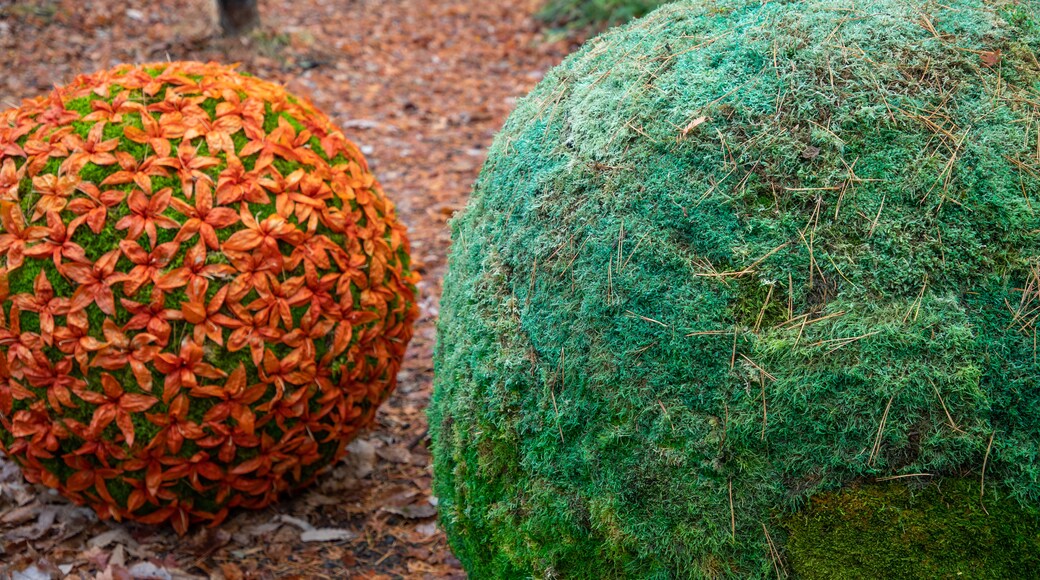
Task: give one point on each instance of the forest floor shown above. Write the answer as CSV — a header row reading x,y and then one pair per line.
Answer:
x,y
421,86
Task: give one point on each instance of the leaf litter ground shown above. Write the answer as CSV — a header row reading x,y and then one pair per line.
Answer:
x,y
421,87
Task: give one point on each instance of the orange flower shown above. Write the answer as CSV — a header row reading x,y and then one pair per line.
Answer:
x,y
115,404
250,110
181,105
92,150
146,214
190,165
140,173
205,316
235,401
88,476
255,272
42,145
250,330
217,133
15,235
112,112
262,236
95,282
272,457
155,135
74,339
57,243
55,378
192,468
148,459
175,426
43,302
195,268
177,511
10,179
120,351
276,303
148,266
56,115
55,192
93,209
43,434
96,444
204,219
154,317
182,369
270,146
289,370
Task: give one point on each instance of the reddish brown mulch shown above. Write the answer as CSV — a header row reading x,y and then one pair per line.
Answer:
x,y
422,86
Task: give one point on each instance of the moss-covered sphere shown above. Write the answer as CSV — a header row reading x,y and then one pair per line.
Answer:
x,y
732,258
205,292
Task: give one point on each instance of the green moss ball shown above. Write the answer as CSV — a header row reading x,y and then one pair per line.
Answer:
x,y
737,256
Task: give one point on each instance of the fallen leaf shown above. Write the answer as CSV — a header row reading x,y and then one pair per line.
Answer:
x,y
302,524
361,458
693,125
118,557
103,540
990,58
395,454
232,571
262,529
149,571
20,515
427,529
31,573
327,535
413,512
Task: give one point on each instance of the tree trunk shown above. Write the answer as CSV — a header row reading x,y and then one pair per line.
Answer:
x,y
238,16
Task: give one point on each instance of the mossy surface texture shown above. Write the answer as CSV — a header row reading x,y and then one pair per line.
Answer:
x,y
732,256
595,13
895,530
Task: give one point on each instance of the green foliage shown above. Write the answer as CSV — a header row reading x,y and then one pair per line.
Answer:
x,y
617,393
896,531
595,13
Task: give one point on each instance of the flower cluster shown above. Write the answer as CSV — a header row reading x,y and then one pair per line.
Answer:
x,y
205,293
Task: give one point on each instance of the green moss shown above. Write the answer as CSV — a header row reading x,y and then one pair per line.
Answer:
x,y
30,322
80,105
120,490
261,211
285,167
759,304
937,530
270,118
210,106
21,279
605,311
595,14
240,140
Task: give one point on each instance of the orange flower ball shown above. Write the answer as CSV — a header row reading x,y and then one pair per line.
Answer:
x,y
205,292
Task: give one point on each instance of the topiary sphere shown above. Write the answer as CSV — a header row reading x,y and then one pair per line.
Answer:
x,y
737,255
205,292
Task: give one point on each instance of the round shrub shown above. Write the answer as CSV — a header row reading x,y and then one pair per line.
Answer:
x,y
205,292
737,255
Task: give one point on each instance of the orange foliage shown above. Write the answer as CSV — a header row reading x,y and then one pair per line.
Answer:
x,y
221,296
